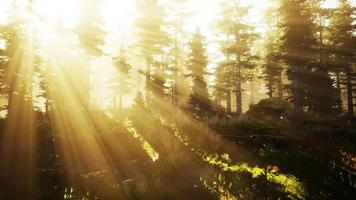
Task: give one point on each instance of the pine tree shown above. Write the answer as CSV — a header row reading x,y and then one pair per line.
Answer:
x,y
199,99
311,86
343,48
42,73
273,72
16,79
272,65
237,49
89,29
297,49
138,101
91,38
10,35
121,83
321,93
223,85
178,13
152,40
17,63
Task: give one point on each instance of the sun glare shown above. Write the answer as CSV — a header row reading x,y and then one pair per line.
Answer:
x,y
4,11
119,14
203,14
63,12
330,3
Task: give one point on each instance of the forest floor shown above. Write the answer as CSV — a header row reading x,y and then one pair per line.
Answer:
x,y
174,156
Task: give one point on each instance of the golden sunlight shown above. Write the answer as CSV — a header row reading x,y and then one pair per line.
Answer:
x,y
59,13
177,99
119,14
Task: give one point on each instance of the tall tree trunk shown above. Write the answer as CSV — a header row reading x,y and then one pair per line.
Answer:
x,y
46,106
175,92
18,145
228,101
239,92
218,100
338,89
270,88
280,86
350,104
18,153
228,96
297,93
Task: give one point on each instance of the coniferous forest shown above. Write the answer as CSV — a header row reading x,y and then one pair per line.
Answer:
x,y
177,99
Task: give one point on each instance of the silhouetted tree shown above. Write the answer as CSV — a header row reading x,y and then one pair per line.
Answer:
x,y
139,101
178,13
272,66
223,84
11,35
297,48
321,93
152,39
343,48
18,141
91,38
237,49
120,83
199,99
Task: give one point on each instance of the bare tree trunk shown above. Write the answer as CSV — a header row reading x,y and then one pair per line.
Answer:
x,y
228,101
350,104
46,106
175,86
338,89
280,86
18,153
270,88
296,93
239,92
18,145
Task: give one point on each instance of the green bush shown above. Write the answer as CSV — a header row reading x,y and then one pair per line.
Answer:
x,y
241,125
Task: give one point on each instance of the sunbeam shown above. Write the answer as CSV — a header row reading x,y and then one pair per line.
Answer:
x,y
177,99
